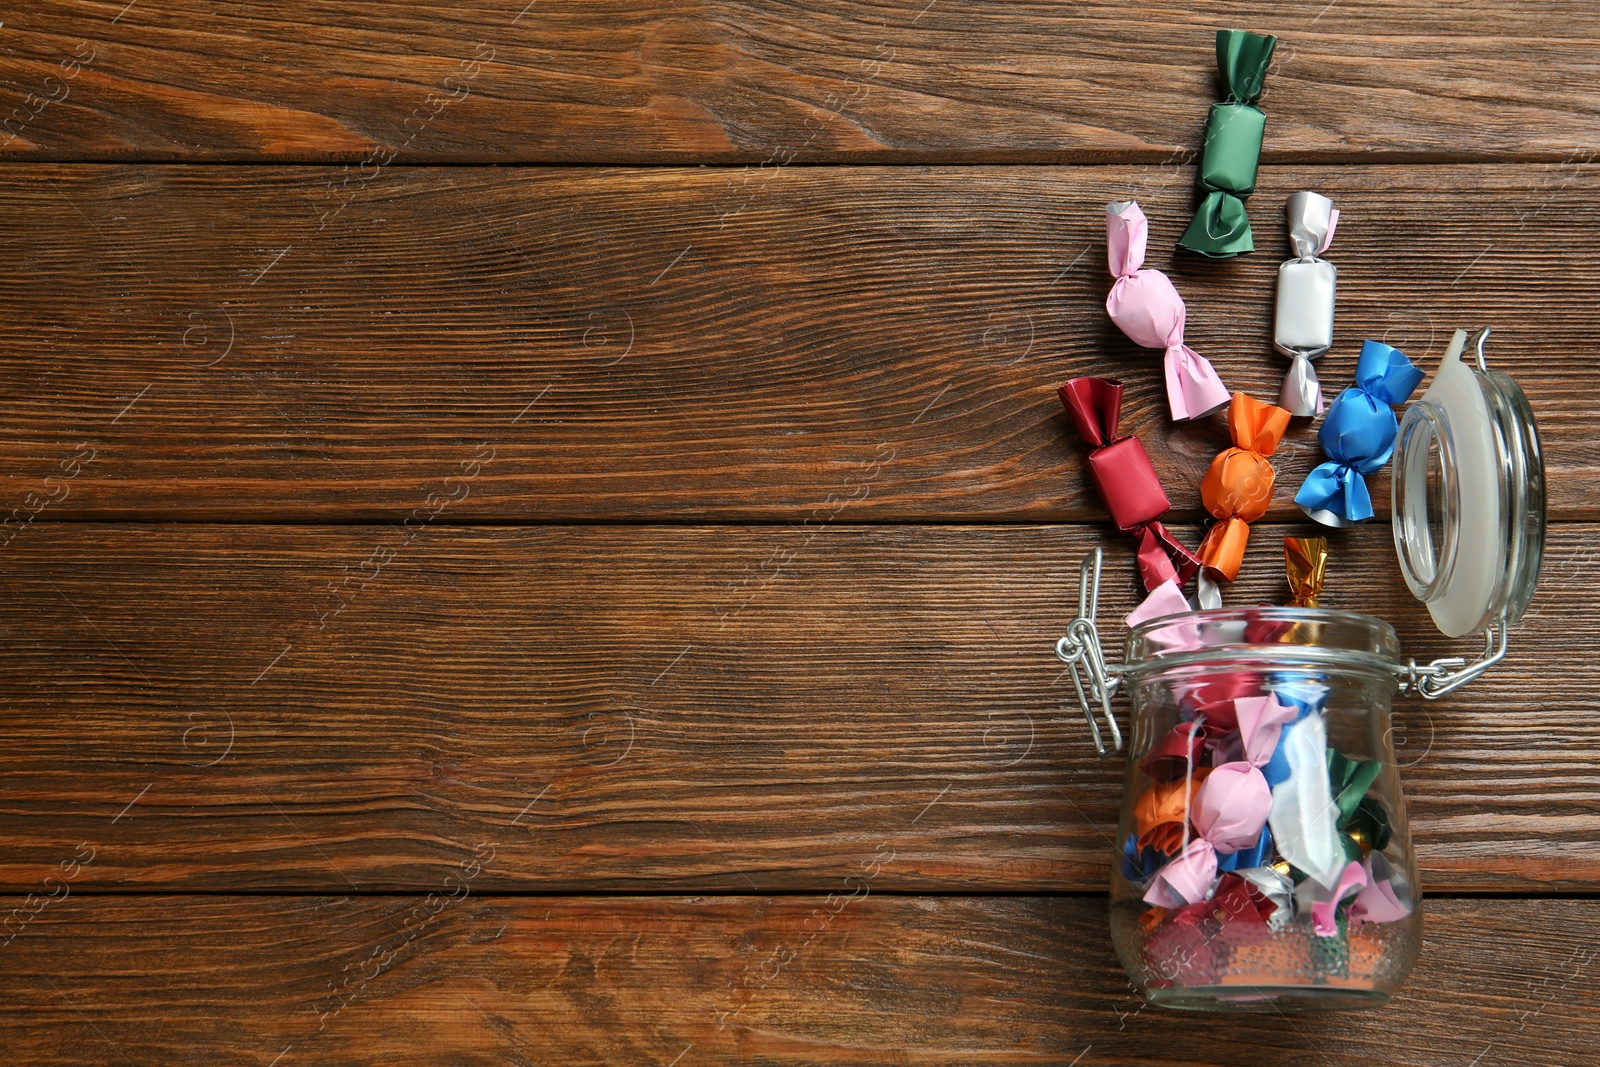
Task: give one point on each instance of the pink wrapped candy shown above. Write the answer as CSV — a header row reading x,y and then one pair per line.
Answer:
x,y
1230,808
1146,307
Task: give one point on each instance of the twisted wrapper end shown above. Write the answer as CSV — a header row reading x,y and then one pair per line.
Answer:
x,y
1305,561
1256,426
1335,494
1162,558
1194,389
1220,228
1312,219
1223,549
1095,407
1127,237
1242,59
1386,374
1301,395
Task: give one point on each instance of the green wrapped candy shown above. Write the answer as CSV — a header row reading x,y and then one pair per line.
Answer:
x,y
1361,818
1349,781
1220,228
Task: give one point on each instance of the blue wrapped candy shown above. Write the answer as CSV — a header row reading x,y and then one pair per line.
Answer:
x,y
1257,855
1358,436
1138,864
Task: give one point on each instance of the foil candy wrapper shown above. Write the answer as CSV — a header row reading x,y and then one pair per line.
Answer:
x,y
1228,161
1305,562
1122,472
1303,323
1146,306
1358,436
1237,487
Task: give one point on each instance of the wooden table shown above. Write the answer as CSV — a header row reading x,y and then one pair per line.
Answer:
x,y
537,532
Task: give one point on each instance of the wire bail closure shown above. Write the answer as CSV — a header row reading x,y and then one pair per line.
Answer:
x,y
1080,649
1452,672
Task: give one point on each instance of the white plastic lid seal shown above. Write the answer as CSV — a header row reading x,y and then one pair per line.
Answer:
x,y
1468,494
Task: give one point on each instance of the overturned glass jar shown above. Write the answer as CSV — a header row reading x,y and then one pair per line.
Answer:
x,y
1263,858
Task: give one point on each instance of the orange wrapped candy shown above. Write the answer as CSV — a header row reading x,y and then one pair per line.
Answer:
x,y
1161,814
1237,487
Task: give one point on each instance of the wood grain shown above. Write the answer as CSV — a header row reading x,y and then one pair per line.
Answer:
x,y
304,980
685,81
671,708
707,345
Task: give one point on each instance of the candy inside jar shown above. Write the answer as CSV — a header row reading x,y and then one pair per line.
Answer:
x,y
1263,860
1265,856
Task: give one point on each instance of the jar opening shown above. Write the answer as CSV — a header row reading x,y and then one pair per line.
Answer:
x,y
1267,638
1426,497
1469,494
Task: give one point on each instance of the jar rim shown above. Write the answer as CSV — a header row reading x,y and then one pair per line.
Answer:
x,y
1319,637
1468,494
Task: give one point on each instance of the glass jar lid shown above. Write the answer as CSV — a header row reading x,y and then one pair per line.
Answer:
x,y
1469,494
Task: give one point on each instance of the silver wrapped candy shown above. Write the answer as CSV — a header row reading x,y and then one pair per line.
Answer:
x,y
1303,327
1276,887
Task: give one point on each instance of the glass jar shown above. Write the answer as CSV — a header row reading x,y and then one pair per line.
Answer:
x,y
1263,858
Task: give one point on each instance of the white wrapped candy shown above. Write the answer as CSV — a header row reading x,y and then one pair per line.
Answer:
x,y
1303,327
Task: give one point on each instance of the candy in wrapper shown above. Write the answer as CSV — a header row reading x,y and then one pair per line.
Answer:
x,y
1361,818
1242,911
1221,228
1165,599
1387,896
1161,814
1146,307
1306,561
1303,818
1322,899
1127,482
1303,324
1277,888
1252,856
1229,811
1138,864
1176,754
1358,436
1238,485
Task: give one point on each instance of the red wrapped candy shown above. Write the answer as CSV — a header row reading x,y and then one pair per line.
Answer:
x,y
1241,911
1175,754
1127,481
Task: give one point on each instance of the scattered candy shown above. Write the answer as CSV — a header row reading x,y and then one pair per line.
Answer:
x,y
1121,471
1306,561
1234,128
1303,324
1238,485
1145,306
1358,436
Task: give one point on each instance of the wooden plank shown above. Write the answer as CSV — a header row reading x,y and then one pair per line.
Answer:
x,y
856,978
705,345
684,708
650,82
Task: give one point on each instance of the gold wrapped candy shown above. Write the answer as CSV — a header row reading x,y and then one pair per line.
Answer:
x,y
1306,561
